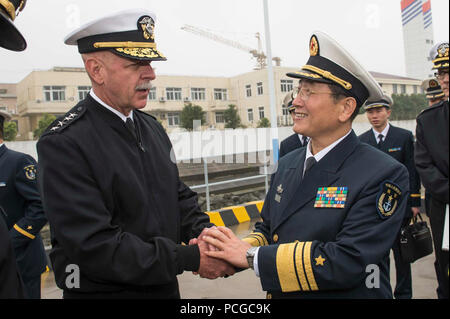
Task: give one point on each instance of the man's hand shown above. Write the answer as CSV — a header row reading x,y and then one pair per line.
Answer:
x,y
210,268
231,248
415,211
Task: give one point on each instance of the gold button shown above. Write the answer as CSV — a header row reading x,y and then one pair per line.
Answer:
x,y
275,238
269,296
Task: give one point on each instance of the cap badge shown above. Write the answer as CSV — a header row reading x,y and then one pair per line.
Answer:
x,y
443,50
433,84
313,46
147,25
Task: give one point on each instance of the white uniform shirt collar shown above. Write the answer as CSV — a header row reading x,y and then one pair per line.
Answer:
x,y
122,116
2,145
384,132
323,152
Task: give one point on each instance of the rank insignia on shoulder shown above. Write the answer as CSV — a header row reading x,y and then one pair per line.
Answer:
x,y
280,189
331,197
388,199
30,172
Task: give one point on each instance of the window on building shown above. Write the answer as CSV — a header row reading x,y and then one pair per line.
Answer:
x,y
3,91
83,91
54,93
173,119
220,94
394,88
248,89
198,94
152,94
287,85
250,115
285,110
259,86
220,118
403,88
261,112
415,89
173,94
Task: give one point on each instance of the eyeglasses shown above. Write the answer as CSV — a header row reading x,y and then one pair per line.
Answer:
x,y
440,75
306,93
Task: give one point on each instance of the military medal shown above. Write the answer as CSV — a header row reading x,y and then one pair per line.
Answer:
x,y
331,197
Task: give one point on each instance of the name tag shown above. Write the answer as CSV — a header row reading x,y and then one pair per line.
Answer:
x,y
331,197
395,149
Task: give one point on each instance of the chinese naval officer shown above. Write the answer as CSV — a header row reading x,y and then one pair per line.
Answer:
x,y
335,207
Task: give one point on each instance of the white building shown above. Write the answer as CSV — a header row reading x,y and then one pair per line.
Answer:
x,y
418,37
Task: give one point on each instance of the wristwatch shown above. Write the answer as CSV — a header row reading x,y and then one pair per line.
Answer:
x,y
250,256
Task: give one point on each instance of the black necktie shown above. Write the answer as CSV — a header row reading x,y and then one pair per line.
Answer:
x,y
130,126
309,163
380,140
304,140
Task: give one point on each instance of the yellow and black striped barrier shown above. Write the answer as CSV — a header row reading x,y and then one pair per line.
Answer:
x,y
234,215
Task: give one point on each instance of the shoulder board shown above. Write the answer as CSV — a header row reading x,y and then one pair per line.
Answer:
x,y
433,107
146,114
66,120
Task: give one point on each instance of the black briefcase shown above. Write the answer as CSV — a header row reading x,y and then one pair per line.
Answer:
x,y
415,240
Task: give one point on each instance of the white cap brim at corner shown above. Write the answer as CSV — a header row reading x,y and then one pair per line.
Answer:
x,y
117,22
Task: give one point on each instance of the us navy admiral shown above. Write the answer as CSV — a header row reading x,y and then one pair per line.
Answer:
x,y
115,203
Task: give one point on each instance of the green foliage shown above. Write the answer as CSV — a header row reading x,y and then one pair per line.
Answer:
x,y
232,118
407,107
10,131
43,123
264,122
189,114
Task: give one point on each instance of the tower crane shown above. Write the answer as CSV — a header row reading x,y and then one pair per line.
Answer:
x,y
258,54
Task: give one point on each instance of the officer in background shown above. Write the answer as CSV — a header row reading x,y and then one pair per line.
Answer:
x,y
19,200
11,285
117,208
434,95
433,91
431,158
335,207
398,143
295,140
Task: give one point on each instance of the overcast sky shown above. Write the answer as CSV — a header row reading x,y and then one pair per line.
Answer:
x,y
369,29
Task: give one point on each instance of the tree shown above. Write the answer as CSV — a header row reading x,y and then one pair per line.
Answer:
x,y
231,117
43,123
264,122
407,107
10,131
191,113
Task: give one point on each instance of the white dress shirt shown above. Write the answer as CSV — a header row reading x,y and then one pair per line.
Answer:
x,y
122,116
384,132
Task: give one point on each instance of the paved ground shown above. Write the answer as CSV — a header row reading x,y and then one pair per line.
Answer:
x,y
246,285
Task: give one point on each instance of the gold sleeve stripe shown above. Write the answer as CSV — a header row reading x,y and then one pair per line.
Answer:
x,y
252,241
256,239
23,232
300,267
415,195
308,266
286,268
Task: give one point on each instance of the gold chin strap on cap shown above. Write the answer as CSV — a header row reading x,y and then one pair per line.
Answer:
x,y
126,44
9,7
346,85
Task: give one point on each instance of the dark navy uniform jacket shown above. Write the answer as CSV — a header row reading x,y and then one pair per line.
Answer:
x,y
289,144
432,152
311,248
116,206
22,209
399,143
11,284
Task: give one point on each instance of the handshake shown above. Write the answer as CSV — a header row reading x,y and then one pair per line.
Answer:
x,y
221,252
